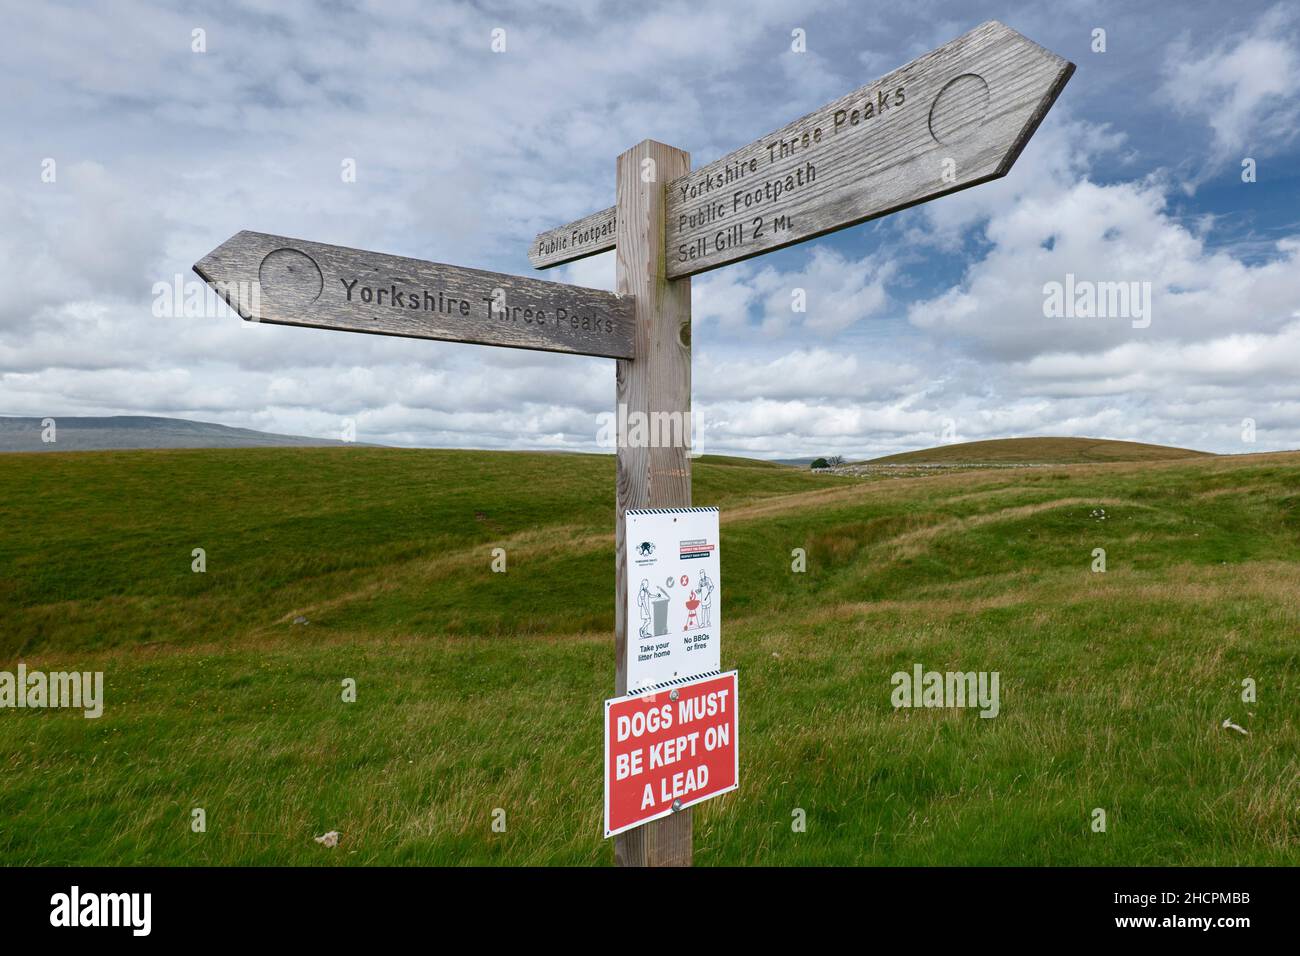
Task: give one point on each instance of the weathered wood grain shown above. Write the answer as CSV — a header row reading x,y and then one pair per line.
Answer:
x,y
953,118
586,237
295,282
974,102
657,380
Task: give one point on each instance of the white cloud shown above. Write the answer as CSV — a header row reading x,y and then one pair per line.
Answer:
x,y
1244,89
1106,233
463,155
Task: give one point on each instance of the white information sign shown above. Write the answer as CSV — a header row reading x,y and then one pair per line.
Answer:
x,y
674,596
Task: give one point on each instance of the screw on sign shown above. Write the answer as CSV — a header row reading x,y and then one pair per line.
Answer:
x,y
668,750
953,118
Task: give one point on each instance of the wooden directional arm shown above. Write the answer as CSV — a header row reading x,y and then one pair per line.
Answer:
x,y
284,281
953,118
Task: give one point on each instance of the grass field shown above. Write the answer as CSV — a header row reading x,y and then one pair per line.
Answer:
x,y
478,691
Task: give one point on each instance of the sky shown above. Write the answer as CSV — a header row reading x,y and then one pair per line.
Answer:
x,y
131,153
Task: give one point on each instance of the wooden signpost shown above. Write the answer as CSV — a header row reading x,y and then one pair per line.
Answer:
x,y
295,282
953,118
577,240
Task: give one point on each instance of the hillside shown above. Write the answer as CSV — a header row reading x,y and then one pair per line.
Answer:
x,y
123,432
478,690
1053,451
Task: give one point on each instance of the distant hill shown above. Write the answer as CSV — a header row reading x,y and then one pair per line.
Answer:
x,y
1043,451
118,432
731,461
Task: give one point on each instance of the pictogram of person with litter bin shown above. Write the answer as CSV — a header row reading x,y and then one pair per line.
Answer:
x,y
653,610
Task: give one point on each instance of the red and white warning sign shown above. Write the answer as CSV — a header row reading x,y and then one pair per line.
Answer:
x,y
667,750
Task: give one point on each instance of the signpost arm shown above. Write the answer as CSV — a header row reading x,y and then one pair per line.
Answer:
x,y
657,380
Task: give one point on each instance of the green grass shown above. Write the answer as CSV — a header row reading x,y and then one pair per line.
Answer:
x,y
479,691
1050,451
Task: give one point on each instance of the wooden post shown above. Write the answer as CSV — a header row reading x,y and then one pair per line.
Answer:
x,y
657,380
